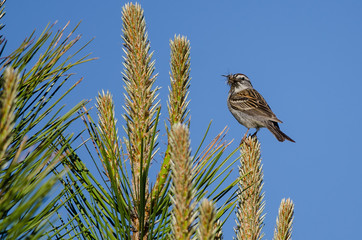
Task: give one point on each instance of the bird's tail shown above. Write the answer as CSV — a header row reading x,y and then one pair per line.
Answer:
x,y
273,127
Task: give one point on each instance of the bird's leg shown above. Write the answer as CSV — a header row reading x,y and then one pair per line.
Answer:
x,y
254,134
243,139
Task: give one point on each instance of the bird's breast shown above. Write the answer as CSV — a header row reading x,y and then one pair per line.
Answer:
x,y
244,118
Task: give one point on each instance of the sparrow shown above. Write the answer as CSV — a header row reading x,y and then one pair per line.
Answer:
x,y
250,108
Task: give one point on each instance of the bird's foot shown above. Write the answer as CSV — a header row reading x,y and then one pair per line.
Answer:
x,y
254,134
243,139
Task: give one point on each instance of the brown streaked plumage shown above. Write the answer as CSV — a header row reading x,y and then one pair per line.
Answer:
x,y
250,108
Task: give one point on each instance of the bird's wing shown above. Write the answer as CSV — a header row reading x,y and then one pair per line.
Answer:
x,y
251,102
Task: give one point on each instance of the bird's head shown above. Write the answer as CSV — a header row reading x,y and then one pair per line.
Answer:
x,y
238,81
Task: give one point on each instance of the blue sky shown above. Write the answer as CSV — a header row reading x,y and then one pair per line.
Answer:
x,y
304,57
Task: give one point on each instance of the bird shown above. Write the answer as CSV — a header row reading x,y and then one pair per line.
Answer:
x,y
250,108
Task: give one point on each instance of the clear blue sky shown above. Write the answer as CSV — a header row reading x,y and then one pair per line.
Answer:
x,y
304,57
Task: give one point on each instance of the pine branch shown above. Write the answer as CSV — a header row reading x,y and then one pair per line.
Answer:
x,y
177,99
141,109
283,230
180,80
251,205
207,227
108,131
182,188
7,109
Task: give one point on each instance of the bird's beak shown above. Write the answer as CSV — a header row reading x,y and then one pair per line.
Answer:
x,y
225,75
